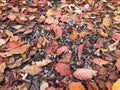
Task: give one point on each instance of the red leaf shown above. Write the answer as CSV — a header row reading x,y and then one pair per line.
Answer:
x,y
99,43
13,44
116,36
61,50
58,32
63,69
49,49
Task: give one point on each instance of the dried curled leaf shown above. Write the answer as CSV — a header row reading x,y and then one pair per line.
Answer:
x,y
76,86
19,50
35,68
116,85
84,74
63,69
99,61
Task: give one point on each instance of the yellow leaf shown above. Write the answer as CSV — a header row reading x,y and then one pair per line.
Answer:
x,y
107,20
49,12
116,85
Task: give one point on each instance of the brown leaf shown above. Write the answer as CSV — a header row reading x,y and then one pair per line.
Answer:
x,y
63,18
20,50
63,69
62,49
66,58
52,88
108,85
81,74
113,46
35,68
76,86
2,67
99,61
28,31
102,33
80,49
117,52
99,43
92,85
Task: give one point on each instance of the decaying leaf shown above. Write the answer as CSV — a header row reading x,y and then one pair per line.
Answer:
x,y
100,61
62,49
63,69
2,41
73,35
116,85
76,86
20,50
35,67
84,74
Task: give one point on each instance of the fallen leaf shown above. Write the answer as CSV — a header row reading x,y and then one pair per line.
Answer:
x,y
63,1
100,61
99,43
80,49
117,52
49,12
35,67
84,33
106,20
63,18
13,44
58,32
81,74
28,31
113,46
9,33
117,64
108,85
76,86
52,88
2,41
116,36
63,69
20,50
102,33
73,35
49,49
31,10
2,67
92,85
66,58
12,16
49,20
61,50
116,85
43,85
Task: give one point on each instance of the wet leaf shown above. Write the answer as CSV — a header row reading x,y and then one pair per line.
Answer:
x,y
62,49
73,35
76,86
116,85
81,74
63,69
100,61
36,67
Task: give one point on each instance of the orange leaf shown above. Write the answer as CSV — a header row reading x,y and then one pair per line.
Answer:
x,y
99,61
84,33
81,74
62,49
73,35
76,86
63,69
13,44
31,10
108,85
116,85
